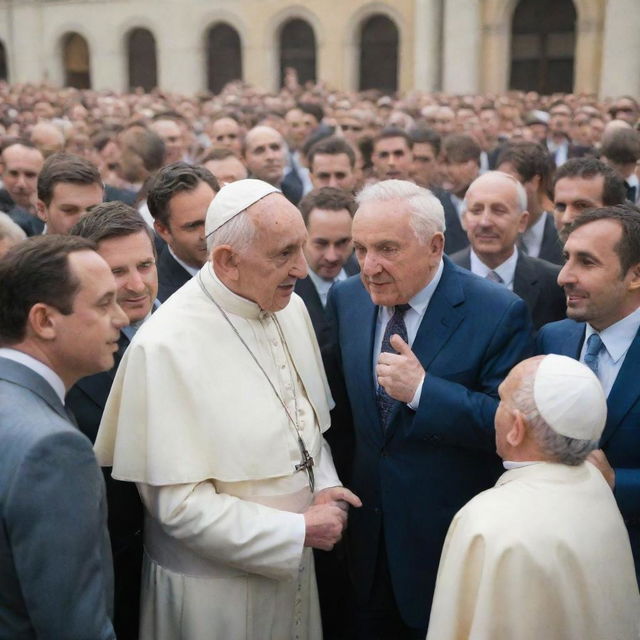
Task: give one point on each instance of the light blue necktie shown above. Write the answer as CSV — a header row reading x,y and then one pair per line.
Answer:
x,y
594,347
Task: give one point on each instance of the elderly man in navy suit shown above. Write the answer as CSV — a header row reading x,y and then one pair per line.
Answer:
x,y
601,279
420,347
59,321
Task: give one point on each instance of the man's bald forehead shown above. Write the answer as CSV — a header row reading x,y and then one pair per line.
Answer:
x,y
261,130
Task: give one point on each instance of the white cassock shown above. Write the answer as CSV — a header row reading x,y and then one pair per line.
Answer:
x,y
544,555
193,420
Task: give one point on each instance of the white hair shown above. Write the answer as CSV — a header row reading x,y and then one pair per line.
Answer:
x,y
553,445
238,233
427,214
521,194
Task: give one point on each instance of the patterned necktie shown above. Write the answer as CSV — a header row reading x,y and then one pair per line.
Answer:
x,y
494,277
594,347
397,326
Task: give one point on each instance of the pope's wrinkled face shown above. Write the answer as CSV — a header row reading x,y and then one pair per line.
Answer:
x,y
269,268
394,264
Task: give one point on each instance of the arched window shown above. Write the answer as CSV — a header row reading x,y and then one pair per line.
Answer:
x,y
379,54
224,57
298,50
75,59
4,67
542,46
143,67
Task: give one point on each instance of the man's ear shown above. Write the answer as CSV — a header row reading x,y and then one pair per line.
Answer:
x,y
225,262
162,230
41,321
41,210
436,244
524,218
634,284
518,431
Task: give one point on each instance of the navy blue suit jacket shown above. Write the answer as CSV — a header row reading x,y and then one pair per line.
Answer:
x,y
413,477
621,437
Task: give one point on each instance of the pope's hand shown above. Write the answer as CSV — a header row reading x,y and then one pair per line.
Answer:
x,y
338,495
600,462
399,373
324,525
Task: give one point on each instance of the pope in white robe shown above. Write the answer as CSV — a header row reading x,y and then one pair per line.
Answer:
x,y
209,412
545,553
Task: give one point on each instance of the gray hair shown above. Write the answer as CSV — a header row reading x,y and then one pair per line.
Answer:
x,y
554,446
9,229
238,233
521,194
427,214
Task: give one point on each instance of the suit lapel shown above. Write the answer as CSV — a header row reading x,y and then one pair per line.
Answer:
x,y
623,395
525,281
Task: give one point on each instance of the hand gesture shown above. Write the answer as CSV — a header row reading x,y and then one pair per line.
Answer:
x,y
399,373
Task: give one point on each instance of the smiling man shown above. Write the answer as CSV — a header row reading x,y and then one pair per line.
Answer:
x,y
125,242
495,215
217,413
421,346
601,280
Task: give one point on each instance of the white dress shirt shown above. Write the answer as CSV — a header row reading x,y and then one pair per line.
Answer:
x,y
506,270
616,339
323,286
412,319
533,236
50,376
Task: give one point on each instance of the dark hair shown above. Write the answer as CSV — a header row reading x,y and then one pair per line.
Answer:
x,y
393,132
147,144
172,179
327,198
613,191
628,217
217,153
424,135
621,146
459,147
11,142
529,159
37,270
332,146
65,167
312,109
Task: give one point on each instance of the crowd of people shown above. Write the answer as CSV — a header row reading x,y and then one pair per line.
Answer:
x,y
266,316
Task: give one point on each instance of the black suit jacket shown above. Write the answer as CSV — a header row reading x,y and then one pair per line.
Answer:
x,y
171,275
87,399
455,237
551,248
309,294
536,282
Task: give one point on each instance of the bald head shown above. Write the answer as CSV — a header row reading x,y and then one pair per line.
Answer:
x,y
47,138
264,154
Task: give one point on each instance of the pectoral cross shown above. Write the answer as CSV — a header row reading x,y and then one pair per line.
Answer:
x,y
306,464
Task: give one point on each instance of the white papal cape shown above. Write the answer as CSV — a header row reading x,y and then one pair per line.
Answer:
x,y
192,419
544,555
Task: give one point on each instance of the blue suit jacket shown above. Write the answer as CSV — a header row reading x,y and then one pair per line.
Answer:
x,y
55,561
621,437
413,477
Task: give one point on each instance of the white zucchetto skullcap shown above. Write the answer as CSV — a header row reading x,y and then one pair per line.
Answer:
x,y
233,199
570,398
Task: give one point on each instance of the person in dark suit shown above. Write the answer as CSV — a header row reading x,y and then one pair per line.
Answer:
x,y
495,214
125,242
59,321
327,215
179,196
581,184
558,141
601,280
419,347
531,164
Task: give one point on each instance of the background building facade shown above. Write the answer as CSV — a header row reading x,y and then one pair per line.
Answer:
x,y
455,46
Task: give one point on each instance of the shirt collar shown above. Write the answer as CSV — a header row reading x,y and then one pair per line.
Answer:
x,y
632,180
229,300
618,337
506,270
130,329
46,372
534,234
188,268
321,283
